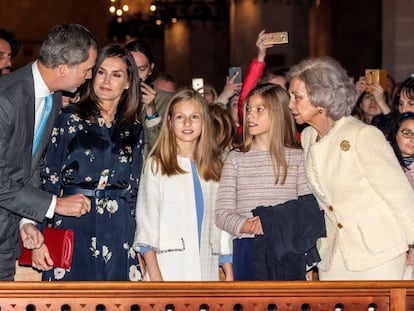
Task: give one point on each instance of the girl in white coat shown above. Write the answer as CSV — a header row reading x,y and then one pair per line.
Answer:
x,y
175,228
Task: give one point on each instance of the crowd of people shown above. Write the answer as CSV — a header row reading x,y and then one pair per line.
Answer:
x,y
291,171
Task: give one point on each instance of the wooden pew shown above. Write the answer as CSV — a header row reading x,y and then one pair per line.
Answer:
x,y
212,296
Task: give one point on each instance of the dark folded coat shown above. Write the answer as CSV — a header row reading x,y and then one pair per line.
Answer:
x,y
288,245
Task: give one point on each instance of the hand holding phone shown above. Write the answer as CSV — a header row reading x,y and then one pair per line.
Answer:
x,y
235,71
277,38
198,85
376,76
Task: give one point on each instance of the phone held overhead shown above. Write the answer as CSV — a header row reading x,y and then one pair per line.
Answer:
x,y
235,70
376,76
198,85
277,38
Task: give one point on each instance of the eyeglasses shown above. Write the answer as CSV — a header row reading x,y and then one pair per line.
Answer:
x,y
406,133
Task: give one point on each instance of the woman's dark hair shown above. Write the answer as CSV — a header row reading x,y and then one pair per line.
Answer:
x,y
140,46
395,126
129,106
360,98
407,88
9,37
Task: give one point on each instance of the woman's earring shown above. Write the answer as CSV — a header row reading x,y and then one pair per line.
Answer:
x,y
320,110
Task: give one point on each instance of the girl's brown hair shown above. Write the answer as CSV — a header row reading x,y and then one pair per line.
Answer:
x,y
206,153
282,127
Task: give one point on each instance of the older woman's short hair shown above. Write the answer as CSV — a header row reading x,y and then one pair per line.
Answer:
x,y
328,85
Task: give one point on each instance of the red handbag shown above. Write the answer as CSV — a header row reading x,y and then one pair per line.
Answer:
x,y
60,245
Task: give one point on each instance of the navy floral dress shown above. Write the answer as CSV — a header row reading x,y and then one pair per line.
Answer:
x,y
84,155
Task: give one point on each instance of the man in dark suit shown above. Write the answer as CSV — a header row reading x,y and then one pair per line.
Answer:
x,y
65,61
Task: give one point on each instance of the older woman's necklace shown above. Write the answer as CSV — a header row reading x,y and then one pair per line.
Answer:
x,y
326,132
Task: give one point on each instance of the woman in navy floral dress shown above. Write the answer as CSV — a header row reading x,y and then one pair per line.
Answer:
x,y
96,150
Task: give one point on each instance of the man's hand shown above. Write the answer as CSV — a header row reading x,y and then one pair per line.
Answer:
x,y
361,85
75,205
31,236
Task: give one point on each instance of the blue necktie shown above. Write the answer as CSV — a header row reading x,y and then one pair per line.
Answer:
x,y
43,120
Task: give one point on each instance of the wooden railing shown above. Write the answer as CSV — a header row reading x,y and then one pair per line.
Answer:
x,y
212,296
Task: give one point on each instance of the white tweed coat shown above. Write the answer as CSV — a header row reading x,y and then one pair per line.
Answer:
x,y
367,199
167,222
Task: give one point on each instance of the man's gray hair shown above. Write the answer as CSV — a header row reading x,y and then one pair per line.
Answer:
x,y
67,44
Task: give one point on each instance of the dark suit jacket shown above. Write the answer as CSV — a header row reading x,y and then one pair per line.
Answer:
x,y
20,195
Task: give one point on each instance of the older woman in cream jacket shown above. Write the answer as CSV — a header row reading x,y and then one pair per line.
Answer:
x,y
354,174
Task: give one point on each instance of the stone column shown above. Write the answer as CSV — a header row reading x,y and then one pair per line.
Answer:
x,y
398,38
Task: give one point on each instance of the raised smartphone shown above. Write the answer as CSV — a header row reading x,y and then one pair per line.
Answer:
x,y
198,85
376,76
278,38
233,71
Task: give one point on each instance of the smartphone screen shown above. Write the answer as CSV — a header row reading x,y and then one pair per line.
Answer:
x,y
233,71
198,85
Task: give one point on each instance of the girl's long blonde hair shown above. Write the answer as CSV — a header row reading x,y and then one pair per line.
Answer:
x,y
282,130
206,153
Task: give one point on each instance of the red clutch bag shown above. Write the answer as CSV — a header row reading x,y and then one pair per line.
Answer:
x,y
60,245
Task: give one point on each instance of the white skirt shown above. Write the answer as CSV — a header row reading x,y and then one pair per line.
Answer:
x,y
391,270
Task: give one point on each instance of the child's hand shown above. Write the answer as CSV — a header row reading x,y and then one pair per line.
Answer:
x,y
252,225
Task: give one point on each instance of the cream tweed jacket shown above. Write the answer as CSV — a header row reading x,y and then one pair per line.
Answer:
x,y
367,199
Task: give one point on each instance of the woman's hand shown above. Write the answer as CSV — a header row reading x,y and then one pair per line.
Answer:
x,y
41,259
231,88
378,92
148,97
262,38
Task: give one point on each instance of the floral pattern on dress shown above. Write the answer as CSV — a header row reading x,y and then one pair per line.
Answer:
x,y
88,155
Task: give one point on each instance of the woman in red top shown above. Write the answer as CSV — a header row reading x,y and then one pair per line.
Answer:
x,y
255,72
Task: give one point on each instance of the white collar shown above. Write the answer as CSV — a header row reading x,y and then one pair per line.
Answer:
x,y
40,87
